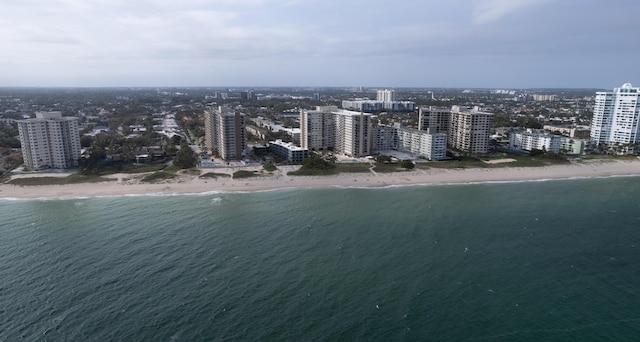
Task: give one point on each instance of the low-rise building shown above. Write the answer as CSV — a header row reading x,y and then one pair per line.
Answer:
x,y
423,144
529,140
292,153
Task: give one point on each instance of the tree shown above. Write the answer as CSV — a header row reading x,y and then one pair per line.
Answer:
x,y
185,157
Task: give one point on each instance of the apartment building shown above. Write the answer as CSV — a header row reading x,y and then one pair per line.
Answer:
x,y
49,141
317,128
292,153
353,133
225,133
469,130
436,118
424,144
616,116
529,140
328,128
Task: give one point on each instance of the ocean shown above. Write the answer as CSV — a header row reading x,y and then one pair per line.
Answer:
x,y
526,261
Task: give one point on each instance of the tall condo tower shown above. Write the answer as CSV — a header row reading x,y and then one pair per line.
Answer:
x,y
224,133
616,116
470,130
386,95
49,141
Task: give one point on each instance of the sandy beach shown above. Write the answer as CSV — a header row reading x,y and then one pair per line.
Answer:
x,y
124,184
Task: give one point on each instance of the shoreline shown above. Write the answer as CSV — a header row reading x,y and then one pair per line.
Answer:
x,y
122,185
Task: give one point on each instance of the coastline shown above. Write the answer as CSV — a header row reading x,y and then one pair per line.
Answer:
x,y
185,184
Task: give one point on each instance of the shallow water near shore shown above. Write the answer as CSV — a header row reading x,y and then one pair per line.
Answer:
x,y
553,260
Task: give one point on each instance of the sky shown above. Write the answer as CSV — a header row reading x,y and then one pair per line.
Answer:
x,y
313,43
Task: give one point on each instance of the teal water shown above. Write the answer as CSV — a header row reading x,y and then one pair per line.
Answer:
x,y
534,261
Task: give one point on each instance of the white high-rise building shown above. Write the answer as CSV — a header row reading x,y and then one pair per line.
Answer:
x,y
328,128
386,96
317,128
49,141
616,116
469,130
225,133
353,132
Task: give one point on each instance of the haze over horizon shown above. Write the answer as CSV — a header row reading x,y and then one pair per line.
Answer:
x,y
259,43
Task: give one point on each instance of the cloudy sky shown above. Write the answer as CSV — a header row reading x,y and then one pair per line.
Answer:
x,y
400,43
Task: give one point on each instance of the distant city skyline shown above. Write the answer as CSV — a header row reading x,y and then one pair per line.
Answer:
x,y
296,43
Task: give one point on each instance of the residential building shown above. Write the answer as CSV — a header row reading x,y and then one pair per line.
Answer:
x,y
616,117
225,133
385,100
544,97
573,146
49,141
292,153
529,140
386,95
317,128
437,118
424,144
469,130
352,133
378,106
328,128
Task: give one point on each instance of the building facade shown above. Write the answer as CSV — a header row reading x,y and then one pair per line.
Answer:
x,y
49,141
317,128
386,95
425,144
225,133
469,130
378,106
353,133
436,118
616,117
292,153
528,141
328,128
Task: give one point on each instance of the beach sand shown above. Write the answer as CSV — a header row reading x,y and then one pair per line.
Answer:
x,y
125,184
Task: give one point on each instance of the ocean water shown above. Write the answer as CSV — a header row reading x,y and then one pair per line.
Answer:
x,y
530,261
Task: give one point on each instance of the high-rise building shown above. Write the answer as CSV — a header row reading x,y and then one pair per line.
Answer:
x,y
386,96
616,116
49,141
353,133
225,133
436,118
469,130
328,128
317,128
